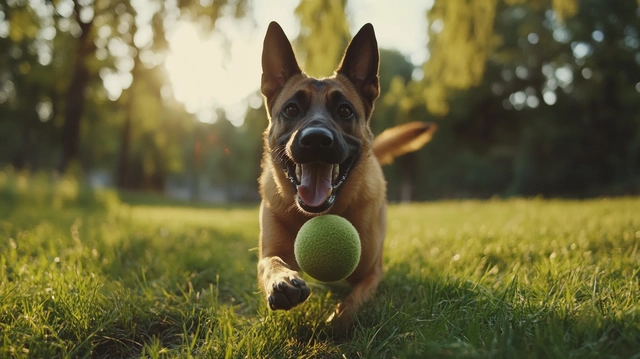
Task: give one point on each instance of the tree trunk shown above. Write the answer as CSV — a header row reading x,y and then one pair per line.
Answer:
x,y
123,177
408,163
122,168
75,98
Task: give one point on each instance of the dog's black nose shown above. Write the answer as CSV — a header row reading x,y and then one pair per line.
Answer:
x,y
316,137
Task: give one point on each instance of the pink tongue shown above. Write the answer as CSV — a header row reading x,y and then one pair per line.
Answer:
x,y
315,183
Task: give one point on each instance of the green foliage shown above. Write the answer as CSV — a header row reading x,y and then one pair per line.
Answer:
x,y
94,47
324,34
517,278
510,123
393,103
461,40
524,129
21,189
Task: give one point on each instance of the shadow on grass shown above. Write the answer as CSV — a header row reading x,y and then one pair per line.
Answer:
x,y
176,287
441,316
412,315
183,262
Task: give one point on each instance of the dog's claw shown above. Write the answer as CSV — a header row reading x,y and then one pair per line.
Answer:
x,y
304,290
286,295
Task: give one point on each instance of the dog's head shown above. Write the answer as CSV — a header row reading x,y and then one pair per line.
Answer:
x,y
318,128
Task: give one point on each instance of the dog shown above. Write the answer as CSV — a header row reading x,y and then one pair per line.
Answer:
x,y
320,157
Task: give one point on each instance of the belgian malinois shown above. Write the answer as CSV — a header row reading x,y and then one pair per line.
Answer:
x,y
321,157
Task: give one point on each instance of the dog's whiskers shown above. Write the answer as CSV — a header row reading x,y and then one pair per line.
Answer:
x,y
279,153
292,208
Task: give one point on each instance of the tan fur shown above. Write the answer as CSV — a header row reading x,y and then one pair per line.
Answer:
x,y
397,141
362,197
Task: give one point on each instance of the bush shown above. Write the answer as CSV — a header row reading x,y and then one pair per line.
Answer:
x,y
42,189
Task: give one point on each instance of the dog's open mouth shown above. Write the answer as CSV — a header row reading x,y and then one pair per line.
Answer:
x,y
317,183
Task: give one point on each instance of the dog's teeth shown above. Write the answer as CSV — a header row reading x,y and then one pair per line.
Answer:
x,y
329,192
298,172
336,171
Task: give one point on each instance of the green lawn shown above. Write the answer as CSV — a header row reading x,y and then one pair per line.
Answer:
x,y
470,279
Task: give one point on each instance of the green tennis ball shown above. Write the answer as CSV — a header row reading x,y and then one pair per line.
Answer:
x,y
327,248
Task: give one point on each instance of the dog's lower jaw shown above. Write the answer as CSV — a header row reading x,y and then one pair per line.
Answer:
x,y
316,211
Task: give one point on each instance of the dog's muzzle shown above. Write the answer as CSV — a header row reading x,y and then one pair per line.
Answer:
x,y
320,163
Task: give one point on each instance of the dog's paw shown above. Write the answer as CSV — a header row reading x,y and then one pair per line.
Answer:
x,y
286,294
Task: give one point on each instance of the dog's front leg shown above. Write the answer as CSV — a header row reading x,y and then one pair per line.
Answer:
x,y
277,268
363,289
283,286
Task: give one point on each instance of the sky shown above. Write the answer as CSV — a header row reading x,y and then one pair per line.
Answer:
x,y
204,77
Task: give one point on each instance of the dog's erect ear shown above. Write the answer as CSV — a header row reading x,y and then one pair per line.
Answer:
x,y
360,63
278,62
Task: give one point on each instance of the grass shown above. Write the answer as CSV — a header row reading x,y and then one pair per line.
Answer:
x,y
470,279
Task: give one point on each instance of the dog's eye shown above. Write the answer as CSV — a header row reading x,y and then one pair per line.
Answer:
x,y
292,110
345,112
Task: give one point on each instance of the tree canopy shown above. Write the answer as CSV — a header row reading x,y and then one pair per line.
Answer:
x,y
530,96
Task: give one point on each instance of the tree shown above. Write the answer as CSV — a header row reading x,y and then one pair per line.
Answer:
x,y
324,34
27,89
462,39
144,80
554,112
75,96
87,39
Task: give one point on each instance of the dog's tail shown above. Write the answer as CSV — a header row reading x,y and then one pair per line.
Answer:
x,y
398,140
